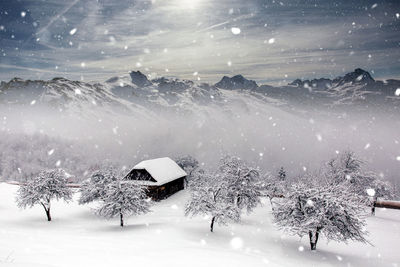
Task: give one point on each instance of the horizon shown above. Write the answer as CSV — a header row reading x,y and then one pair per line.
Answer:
x,y
270,42
258,81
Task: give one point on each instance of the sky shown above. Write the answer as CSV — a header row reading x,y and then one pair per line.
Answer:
x,y
272,42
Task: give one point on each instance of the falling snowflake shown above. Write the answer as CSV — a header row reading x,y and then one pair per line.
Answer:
x,y
23,14
174,207
229,63
319,137
271,41
58,163
371,192
50,152
235,30
367,146
78,92
83,64
33,102
301,248
374,6
73,31
398,158
397,92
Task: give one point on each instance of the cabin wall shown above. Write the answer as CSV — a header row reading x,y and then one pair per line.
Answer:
x,y
165,190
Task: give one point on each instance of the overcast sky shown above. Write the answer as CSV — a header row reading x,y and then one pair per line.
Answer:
x,y
269,41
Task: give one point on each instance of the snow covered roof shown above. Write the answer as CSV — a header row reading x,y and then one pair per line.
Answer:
x,y
163,170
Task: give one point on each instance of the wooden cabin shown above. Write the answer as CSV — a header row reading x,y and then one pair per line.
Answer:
x,y
162,176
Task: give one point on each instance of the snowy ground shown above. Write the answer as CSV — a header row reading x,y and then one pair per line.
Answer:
x,y
165,237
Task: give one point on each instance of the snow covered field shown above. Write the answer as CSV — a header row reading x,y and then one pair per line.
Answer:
x,y
165,237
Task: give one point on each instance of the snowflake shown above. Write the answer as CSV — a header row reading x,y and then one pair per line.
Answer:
x,y
73,31
235,30
371,192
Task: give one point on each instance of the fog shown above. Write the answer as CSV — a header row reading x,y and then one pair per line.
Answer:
x,y
262,133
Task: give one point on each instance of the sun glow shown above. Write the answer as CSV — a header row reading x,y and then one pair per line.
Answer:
x,y
188,4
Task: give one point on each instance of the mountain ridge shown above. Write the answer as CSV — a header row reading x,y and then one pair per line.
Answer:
x,y
357,87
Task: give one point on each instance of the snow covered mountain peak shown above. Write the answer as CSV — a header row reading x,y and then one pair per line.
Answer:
x,y
358,76
139,79
236,82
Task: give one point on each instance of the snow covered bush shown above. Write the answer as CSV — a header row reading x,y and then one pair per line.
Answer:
x,y
209,196
95,187
313,209
242,181
47,185
124,198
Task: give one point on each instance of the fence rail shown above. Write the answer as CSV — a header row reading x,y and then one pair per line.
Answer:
x,y
388,204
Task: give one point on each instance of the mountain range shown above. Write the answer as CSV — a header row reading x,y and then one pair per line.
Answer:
x,y
137,91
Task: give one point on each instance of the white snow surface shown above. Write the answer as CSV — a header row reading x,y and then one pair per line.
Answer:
x,y
165,237
163,170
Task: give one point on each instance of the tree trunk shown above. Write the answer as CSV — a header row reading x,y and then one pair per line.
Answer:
x,y
212,224
373,206
48,214
47,210
313,239
121,219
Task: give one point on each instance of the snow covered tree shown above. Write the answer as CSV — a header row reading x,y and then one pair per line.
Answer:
x,y
94,188
124,198
209,197
281,174
47,185
189,164
273,187
314,209
348,169
243,182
